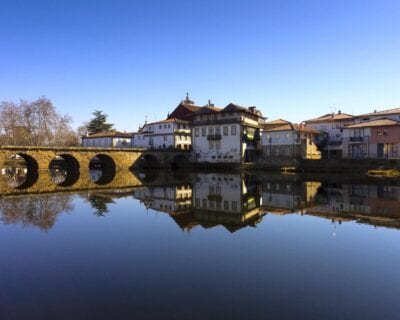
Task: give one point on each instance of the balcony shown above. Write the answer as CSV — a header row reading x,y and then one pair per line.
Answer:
x,y
182,131
356,139
214,137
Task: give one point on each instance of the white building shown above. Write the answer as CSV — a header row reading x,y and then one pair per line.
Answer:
x,y
112,139
284,139
165,134
229,135
332,124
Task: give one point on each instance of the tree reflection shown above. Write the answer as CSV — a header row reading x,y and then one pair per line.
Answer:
x,y
40,211
100,204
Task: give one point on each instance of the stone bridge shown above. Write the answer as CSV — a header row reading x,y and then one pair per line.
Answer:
x,y
39,158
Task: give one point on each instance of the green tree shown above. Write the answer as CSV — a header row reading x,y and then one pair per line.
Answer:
x,y
99,123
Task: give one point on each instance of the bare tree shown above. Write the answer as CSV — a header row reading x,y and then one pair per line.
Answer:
x,y
35,123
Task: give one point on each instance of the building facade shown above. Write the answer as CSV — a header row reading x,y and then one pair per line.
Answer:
x,y
112,139
332,124
290,141
376,139
228,135
171,133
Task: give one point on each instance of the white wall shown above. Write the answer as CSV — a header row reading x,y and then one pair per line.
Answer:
x,y
227,149
107,142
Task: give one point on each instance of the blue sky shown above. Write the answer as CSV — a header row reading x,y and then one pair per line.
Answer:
x,y
293,59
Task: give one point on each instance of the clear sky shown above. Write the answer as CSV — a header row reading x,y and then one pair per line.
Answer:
x,y
293,59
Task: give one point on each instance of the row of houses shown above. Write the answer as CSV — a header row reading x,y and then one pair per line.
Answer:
x,y
238,134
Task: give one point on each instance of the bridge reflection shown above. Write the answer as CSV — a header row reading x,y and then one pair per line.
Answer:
x,y
208,200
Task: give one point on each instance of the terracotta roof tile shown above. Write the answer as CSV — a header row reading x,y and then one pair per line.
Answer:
x,y
374,123
112,134
381,113
331,117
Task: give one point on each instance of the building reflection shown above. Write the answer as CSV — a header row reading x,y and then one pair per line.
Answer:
x,y
375,204
238,200
230,200
287,194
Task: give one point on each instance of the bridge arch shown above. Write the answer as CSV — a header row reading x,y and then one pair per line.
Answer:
x,y
106,167
149,161
179,161
12,170
64,170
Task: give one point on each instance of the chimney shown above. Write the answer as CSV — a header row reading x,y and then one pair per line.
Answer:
x,y
375,111
252,109
340,112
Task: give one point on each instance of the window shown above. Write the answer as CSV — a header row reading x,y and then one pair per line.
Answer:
x,y
233,130
288,135
165,138
169,126
165,126
382,133
234,205
203,132
210,144
226,205
204,204
218,144
276,136
196,132
160,126
211,130
197,202
225,130
217,130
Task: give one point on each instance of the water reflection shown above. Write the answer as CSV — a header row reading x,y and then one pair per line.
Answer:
x,y
231,200
238,200
40,211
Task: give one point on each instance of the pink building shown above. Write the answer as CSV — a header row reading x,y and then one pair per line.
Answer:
x,y
378,139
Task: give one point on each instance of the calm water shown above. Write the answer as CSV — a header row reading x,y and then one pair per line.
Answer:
x,y
162,245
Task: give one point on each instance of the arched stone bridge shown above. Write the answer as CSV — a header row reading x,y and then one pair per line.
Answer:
x,y
39,158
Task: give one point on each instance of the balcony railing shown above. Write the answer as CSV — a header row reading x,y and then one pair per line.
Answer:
x,y
214,137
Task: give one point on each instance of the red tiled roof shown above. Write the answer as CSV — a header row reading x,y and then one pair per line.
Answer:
x,y
109,134
374,123
381,113
277,121
169,120
331,117
294,127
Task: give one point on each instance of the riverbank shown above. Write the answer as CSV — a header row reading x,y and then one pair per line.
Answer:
x,y
387,168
